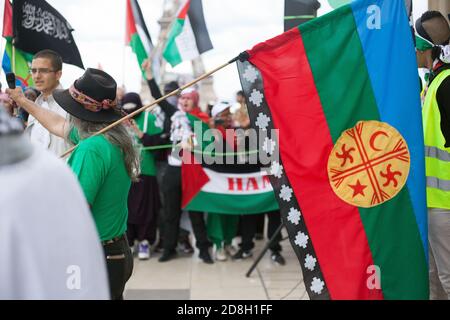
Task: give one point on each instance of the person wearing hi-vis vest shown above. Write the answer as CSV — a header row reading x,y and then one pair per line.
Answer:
x,y
433,52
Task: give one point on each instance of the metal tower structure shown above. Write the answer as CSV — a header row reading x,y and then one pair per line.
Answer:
x,y
206,87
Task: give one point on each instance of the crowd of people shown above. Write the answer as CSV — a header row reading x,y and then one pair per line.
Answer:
x,y
132,188
134,194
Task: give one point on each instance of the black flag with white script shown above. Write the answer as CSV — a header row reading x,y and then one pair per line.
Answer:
x,y
38,26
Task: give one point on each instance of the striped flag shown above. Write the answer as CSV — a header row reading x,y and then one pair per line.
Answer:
x,y
22,59
342,90
228,189
137,35
189,36
224,185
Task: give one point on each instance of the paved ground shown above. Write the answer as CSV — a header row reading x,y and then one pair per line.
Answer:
x,y
187,277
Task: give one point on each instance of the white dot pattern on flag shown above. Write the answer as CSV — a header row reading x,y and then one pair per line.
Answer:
x,y
262,122
250,74
317,285
301,240
269,146
294,216
256,98
276,169
310,262
261,118
286,193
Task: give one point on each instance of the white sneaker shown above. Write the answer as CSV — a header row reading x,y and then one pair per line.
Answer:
x,y
230,250
144,250
221,255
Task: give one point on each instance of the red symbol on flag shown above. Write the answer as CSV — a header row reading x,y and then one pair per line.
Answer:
x,y
371,155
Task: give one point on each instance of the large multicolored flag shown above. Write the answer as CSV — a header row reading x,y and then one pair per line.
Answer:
x,y
189,36
137,35
342,90
22,59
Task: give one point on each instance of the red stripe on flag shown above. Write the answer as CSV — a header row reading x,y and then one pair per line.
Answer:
x,y
183,12
334,226
130,23
7,20
193,178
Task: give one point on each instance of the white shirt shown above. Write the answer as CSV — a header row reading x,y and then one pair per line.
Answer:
x,y
49,246
41,136
180,131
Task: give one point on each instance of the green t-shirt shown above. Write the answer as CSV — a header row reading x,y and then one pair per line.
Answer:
x,y
101,171
149,124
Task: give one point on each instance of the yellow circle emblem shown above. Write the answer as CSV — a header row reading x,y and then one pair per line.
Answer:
x,y
369,164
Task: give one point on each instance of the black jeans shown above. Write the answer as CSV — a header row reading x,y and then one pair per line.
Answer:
x,y
199,228
119,262
249,226
161,167
171,187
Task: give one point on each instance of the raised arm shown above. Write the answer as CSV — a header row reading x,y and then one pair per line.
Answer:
x,y
168,108
52,121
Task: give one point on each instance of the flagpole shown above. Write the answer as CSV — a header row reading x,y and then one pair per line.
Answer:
x,y
13,57
152,106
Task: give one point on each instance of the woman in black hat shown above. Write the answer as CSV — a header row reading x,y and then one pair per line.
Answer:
x,y
105,164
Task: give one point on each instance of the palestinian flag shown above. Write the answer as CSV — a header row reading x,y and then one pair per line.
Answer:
x,y
22,59
230,189
137,35
223,185
189,36
342,90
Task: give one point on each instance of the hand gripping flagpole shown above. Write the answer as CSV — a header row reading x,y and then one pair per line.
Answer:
x,y
150,107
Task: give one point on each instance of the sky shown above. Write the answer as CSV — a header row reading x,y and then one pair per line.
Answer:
x,y
234,26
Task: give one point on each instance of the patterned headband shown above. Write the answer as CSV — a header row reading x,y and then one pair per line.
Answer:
x,y
90,103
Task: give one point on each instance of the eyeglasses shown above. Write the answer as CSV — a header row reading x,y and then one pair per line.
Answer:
x,y
41,70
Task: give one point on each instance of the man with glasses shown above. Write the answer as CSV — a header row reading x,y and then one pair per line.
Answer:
x,y
46,71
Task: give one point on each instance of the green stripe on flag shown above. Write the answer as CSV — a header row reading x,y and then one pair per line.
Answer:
x,y
233,204
22,61
347,97
199,128
171,53
138,48
342,80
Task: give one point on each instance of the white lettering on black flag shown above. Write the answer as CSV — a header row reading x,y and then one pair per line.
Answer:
x,y
38,26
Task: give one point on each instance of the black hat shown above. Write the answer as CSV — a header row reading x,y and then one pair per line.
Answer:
x,y
171,86
131,102
91,98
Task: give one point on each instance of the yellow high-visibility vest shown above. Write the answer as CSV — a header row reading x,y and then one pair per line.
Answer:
x,y
437,157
